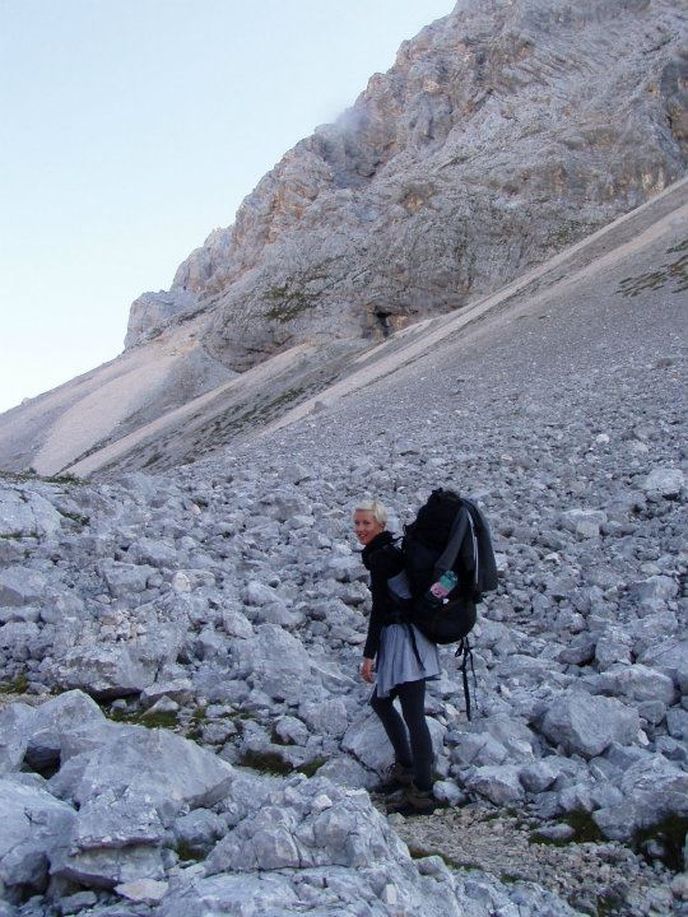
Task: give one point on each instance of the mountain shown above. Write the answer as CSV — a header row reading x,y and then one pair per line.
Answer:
x,y
504,133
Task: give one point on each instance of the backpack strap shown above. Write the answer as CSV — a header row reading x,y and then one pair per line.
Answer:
x,y
458,531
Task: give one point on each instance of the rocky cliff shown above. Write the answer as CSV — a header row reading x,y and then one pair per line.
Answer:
x,y
502,133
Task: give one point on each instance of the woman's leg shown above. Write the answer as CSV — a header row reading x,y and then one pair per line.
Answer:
x,y
394,727
412,697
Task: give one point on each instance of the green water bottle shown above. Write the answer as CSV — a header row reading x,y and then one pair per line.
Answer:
x,y
444,585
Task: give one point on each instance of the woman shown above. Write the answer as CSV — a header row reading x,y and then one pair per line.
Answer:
x,y
399,659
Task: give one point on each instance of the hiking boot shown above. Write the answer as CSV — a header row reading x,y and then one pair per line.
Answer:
x,y
398,777
416,802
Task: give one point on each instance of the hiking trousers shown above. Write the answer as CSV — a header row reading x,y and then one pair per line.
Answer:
x,y
412,749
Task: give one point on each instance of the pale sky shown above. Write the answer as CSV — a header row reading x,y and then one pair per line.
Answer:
x,y
132,128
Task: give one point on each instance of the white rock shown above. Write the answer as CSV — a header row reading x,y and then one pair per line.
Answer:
x,y
147,891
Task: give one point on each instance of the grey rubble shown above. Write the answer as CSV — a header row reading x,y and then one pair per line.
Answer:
x,y
227,597
503,134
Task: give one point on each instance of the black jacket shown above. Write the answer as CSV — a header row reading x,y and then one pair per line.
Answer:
x,y
383,562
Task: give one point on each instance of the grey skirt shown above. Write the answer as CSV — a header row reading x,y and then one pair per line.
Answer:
x,y
396,659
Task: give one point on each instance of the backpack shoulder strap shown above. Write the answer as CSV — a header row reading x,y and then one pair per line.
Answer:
x,y
459,529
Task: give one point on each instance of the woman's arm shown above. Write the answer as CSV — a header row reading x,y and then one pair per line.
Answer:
x,y
381,568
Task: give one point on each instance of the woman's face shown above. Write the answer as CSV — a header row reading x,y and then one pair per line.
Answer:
x,y
366,526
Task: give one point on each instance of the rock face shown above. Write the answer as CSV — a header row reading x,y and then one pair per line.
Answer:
x,y
130,810
502,133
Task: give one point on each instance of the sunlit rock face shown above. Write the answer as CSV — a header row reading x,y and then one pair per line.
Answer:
x,y
503,132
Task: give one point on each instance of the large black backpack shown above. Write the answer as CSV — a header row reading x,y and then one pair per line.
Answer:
x,y
449,533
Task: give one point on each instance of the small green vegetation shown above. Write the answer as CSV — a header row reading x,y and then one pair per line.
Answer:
x,y
24,477
63,479
607,903
187,854
266,762
199,715
584,830
198,719
567,233
674,273
167,719
288,303
81,521
18,685
310,768
537,838
510,878
420,853
152,719
670,835
584,826
152,459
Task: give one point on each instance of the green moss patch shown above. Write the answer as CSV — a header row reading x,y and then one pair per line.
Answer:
x,y
18,685
289,303
150,719
668,835
672,273
309,768
266,762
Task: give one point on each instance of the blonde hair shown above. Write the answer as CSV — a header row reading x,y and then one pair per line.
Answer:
x,y
378,510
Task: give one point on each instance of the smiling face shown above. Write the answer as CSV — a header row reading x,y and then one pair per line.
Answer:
x,y
366,526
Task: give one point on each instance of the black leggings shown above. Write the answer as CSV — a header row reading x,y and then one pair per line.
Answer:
x,y
419,753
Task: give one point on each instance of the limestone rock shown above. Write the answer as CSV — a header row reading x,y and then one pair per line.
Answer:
x,y
397,168
664,482
587,725
480,154
19,586
652,790
500,784
273,661
106,672
35,832
24,514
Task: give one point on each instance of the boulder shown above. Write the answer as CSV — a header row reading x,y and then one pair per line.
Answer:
x,y
128,789
273,661
25,513
585,523
54,721
664,482
653,789
501,784
669,656
36,829
21,586
106,672
587,724
197,832
15,720
123,579
166,770
328,717
637,683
